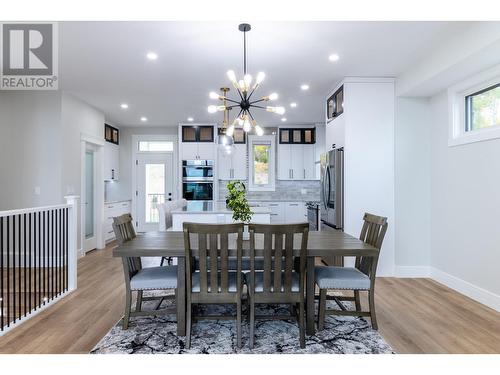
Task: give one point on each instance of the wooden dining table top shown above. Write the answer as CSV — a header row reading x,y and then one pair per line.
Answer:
x,y
171,244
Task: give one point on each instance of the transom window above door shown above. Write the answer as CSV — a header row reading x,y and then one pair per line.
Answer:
x,y
156,146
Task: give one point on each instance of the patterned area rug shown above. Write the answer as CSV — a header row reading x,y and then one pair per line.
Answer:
x,y
145,335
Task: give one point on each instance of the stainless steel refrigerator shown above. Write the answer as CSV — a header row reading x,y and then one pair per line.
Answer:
x,y
332,188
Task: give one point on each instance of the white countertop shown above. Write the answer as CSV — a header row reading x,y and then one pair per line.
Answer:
x,y
214,208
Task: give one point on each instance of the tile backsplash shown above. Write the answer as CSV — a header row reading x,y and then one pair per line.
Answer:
x,y
285,191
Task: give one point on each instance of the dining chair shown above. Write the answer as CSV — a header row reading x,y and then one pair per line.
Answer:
x,y
214,282
279,282
139,279
361,277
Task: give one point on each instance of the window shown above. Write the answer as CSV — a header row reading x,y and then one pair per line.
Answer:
x,y
156,146
111,134
474,108
483,109
262,163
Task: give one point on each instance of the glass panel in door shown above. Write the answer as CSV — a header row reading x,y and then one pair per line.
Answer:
x,y
155,191
89,194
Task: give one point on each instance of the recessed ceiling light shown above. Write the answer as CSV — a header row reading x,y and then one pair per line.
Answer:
x,y
293,105
190,119
283,119
333,57
304,87
144,119
124,105
152,56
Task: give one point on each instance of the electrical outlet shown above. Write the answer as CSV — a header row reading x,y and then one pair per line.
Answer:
x,y
303,191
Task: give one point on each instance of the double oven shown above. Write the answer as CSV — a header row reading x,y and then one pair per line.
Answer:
x,y
198,180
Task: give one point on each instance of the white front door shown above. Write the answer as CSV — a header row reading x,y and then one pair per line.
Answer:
x,y
155,185
90,240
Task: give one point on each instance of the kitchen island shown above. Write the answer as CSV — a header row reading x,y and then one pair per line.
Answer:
x,y
214,213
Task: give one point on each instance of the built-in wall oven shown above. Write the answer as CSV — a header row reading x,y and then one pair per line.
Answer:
x,y
198,180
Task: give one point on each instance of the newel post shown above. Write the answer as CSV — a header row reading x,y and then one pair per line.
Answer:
x,y
72,200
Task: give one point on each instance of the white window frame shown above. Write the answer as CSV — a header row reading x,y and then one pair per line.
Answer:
x,y
457,134
268,140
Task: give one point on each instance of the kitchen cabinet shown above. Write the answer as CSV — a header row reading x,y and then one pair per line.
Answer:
x,y
284,212
297,135
112,210
295,212
197,142
234,166
111,162
296,162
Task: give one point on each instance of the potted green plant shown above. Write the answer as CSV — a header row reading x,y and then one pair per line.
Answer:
x,y
236,201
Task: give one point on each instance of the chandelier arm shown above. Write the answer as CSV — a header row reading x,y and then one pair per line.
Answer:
x,y
253,90
251,116
232,106
257,106
232,101
257,101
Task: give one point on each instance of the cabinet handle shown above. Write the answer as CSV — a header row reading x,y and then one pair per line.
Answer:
x,y
274,214
304,173
292,173
294,204
112,174
273,204
110,232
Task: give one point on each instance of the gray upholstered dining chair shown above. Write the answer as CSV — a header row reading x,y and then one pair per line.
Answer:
x,y
361,277
214,282
139,279
278,282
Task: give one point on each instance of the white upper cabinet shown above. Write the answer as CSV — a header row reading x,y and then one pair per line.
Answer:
x,y
111,161
197,142
297,162
234,166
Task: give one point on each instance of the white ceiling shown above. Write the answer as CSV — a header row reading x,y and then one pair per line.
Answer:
x,y
104,63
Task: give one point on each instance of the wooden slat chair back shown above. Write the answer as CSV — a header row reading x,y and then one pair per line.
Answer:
x,y
277,254
124,228
215,281
279,281
373,233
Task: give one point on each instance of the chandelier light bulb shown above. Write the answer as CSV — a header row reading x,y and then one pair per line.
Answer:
x,y
273,96
214,95
230,131
212,108
279,110
241,121
247,126
232,76
259,131
221,108
260,78
242,86
248,81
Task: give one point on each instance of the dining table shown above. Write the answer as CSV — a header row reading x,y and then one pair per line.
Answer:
x,y
321,244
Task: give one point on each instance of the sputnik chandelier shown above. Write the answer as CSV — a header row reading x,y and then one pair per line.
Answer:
x,y
245,90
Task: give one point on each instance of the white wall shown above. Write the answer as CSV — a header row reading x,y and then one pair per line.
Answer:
x,y
412,185
465,207
369,160
30,149
40,146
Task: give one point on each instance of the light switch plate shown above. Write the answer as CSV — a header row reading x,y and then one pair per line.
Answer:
x,y
303,191
37,190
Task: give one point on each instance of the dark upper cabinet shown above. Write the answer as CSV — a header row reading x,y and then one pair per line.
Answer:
x,y
111,134
297,135
239,135
197,133
335,104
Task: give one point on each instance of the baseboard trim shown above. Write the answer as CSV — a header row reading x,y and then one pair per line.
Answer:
x,y
466,288
478,294
412,271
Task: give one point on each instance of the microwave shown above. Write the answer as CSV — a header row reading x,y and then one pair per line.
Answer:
x,y
197,170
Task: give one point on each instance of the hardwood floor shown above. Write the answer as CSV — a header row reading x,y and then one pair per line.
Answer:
x,y
415,315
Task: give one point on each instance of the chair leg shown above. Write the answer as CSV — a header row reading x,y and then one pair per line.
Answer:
x,y
238,323
128,303
357,301
162,260
188,325
321,309
252,322
371,301
138,304
302,325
